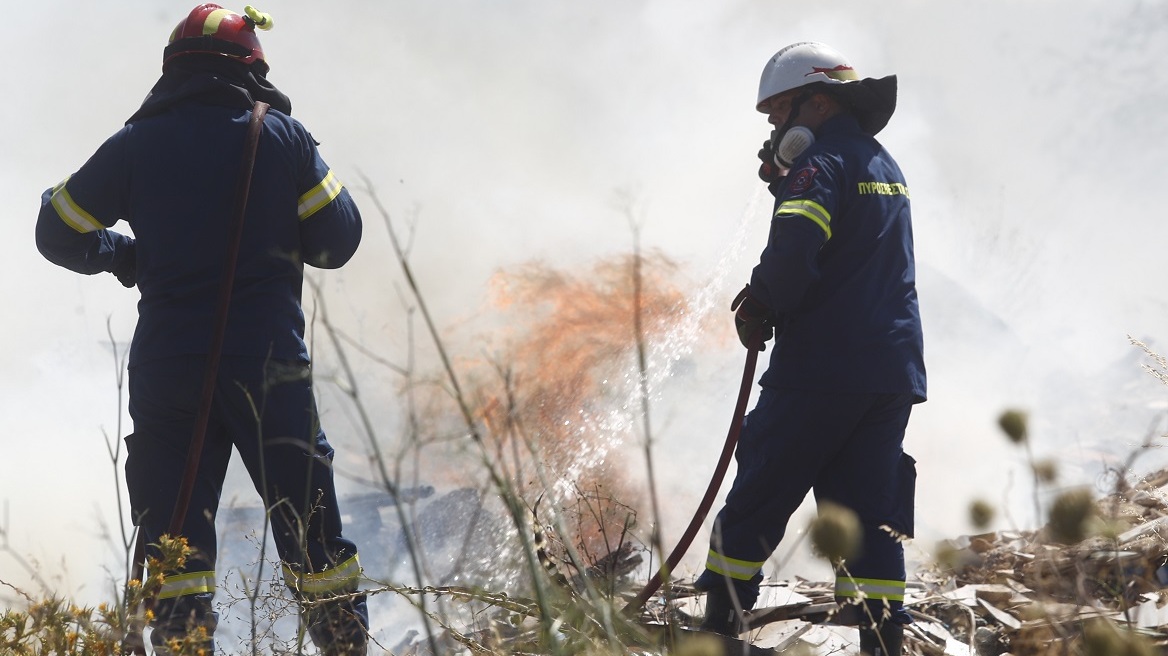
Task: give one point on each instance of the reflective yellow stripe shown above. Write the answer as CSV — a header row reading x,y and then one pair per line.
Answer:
x,y
211,23
342,578
843,73
809,209
71,213
187,584
319,196
871,588
743,570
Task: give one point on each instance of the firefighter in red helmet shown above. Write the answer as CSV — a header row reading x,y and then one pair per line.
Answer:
x,y
171,174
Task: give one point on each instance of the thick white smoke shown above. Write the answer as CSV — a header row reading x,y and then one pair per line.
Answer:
x,y
1028,133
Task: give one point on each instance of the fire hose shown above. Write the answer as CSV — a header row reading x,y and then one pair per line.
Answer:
x,y
134,643
711,490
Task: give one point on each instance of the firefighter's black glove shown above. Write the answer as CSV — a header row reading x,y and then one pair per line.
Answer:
x,y
769,172
754,322
125,267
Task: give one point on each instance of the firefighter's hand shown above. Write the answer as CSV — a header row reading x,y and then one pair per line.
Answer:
x,y
769,171
754,322
125,267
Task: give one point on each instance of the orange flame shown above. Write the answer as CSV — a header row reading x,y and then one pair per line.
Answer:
x,y
568,342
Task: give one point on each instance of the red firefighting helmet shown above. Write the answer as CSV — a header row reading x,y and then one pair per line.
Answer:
x,y
212,29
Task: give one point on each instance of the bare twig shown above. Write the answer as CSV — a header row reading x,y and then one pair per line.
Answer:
x,y
114,448
397,369
511,501
426,316
643,383
387,482
15,555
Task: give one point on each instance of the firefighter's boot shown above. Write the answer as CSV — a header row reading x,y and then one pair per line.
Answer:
x,y
184,624
339,627
721,614
887,640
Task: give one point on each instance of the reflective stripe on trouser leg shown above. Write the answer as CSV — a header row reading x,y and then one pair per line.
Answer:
x,y
336,617
334,580
189,583
741,570
869,589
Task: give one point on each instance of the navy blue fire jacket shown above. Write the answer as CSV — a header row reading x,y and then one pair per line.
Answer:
x,y
172,177
838,271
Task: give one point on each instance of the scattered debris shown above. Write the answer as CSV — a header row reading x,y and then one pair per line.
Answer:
x,y
1007,593
996,594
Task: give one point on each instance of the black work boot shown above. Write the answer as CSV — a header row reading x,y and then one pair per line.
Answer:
x,y
888,640
721,615
185,623
339,627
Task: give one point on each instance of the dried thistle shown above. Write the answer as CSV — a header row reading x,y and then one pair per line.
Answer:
x,y
981,513
836,533
1072,515
1014,424
1046,471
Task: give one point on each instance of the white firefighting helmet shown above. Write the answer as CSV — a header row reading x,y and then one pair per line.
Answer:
x,y
801,64
871,100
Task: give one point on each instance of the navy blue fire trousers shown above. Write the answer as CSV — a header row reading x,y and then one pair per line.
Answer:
x,y
848,449
267,412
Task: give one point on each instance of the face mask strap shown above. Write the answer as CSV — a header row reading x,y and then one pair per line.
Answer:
x,y
796,104
778,133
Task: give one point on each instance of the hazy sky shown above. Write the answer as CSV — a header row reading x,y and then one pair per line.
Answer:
x,y
1031,134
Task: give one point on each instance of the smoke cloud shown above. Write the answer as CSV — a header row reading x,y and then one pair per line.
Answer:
x,y
506,132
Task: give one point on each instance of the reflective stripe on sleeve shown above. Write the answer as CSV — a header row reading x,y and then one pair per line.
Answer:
x,y
743,570
809,209
187,584
71,213
319,196
342,578
869,588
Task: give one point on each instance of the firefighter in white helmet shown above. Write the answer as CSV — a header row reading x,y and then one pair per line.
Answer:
x,y
835,287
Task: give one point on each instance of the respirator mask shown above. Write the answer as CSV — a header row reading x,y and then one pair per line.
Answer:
x,y
791,144
777,159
